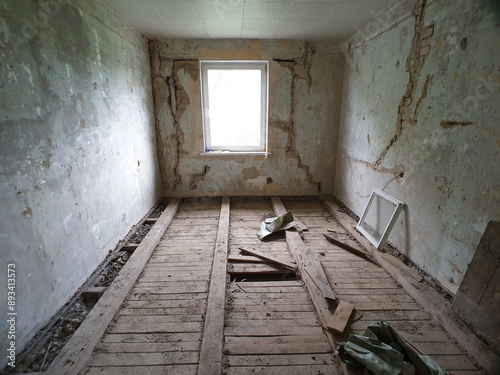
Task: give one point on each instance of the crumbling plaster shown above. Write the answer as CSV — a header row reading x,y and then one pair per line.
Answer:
x,y
78,162
420,106
304,107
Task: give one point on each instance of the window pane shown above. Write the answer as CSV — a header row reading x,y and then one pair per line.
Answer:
x,y
234,105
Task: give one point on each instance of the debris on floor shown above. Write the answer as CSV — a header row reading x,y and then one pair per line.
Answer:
x,y
347,247
340,318
382,351
42,354
275,224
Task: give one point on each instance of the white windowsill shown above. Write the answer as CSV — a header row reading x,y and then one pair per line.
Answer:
x,y
236,153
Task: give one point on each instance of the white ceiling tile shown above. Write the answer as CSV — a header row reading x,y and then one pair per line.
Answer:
x,y
193,24
300,19
221,9
224,23
267,10
308,11
137,13
229,33
174,9
260,24
258,34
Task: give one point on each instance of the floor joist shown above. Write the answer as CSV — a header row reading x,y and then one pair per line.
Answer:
x,y
213,334
75,354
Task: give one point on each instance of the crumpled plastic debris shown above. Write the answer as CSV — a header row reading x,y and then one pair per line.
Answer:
x,y
382,351
275,224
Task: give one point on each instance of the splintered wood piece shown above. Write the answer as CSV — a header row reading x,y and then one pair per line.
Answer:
x,y
347,247
94,292
130,248
320,276
283,263
300,224
242,258
340,318
150,221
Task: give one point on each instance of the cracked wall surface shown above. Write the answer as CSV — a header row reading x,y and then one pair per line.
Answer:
x,y
78,162
420,106
304,110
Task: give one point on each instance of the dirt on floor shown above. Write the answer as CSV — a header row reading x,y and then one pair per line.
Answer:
x,y
41,355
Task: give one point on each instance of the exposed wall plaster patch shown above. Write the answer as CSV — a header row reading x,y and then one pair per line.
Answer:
x,y
415,61
197,177
250,173
300,69
419,52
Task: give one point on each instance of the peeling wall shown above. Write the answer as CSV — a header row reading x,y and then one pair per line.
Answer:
x,y
78,161
420,106
304,108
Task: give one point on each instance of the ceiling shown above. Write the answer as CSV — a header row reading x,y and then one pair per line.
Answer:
x,y
248,19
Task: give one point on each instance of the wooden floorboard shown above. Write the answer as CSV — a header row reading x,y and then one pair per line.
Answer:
x,y
271,322
374,293
160,325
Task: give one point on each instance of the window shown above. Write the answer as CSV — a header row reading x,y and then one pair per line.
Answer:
x,y
234,100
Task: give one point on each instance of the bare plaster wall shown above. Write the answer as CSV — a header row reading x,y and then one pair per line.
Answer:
x,y
421,100
78,158
304,109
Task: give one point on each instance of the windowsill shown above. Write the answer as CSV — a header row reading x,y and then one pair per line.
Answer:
x,y
236,153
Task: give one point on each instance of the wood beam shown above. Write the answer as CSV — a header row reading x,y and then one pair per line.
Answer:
x,y
213,333
74,355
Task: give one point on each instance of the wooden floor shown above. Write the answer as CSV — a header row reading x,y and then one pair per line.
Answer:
x,y
270,322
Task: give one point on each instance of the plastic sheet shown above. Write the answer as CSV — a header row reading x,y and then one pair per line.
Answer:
x,y
275,224
382,351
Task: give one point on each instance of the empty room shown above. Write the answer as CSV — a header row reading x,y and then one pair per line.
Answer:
x,y
250,187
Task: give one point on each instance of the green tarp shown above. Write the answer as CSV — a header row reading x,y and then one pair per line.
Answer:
x,y
382,351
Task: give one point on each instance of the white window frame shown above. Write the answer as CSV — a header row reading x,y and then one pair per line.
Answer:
x,y
240,65
397,207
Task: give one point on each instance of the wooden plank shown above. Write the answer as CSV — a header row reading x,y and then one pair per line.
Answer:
x,y
279,360
299,223
144,359
305,257
272,330
240,258
241,268
77,351
94,292
152,337
210,362
282,370
402,267
348,247
146,327
130,247
147,347
426,297
299,251
143,370
284,263
340,318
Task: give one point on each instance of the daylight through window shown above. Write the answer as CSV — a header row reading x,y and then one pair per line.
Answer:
x,y
234,105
